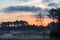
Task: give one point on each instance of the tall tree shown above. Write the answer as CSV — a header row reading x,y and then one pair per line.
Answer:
x,y
40,18
55,13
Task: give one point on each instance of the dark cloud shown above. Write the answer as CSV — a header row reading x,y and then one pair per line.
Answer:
x,y
22,8
53,4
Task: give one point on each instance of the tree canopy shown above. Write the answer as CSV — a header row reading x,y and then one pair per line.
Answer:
x,y
55,13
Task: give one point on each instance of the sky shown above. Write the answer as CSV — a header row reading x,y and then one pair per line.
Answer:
x,y
11,10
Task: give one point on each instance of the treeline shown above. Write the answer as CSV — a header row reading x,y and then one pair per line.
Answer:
x,y
14,24
23,25
18,25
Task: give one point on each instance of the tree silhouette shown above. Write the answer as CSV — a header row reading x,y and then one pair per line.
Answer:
x,y
4,24
40,16
55,13
23,23
16,23
49,15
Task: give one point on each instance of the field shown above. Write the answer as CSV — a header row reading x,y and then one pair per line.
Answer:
x,y
25,35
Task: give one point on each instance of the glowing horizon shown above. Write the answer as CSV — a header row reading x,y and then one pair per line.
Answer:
x,y
32,20
11,10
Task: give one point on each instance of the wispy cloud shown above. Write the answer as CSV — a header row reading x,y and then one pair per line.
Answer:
x,y
38,3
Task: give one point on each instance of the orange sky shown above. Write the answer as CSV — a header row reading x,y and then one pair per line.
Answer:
x,y
26,16
30,19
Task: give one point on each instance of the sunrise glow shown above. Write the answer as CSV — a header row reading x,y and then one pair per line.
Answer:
x,y
30,19
25,10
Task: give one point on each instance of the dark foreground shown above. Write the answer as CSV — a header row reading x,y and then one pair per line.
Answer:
x,y
25,35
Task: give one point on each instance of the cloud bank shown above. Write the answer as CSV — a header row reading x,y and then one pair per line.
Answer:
x,y
9,6
21,8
